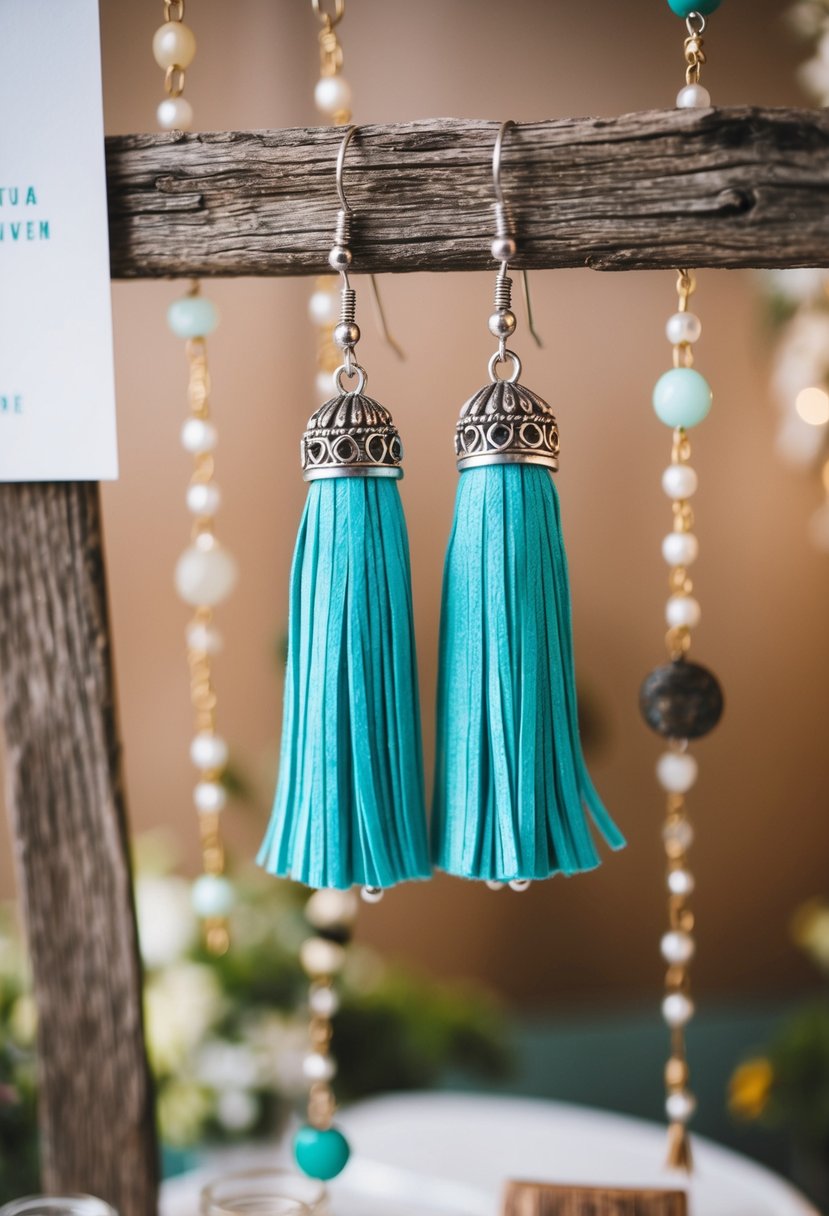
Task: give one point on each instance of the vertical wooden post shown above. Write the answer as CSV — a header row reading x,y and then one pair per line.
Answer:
x,y
68,820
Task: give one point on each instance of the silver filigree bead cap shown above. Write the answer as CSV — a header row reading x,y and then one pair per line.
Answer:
x,y
351,436
505,423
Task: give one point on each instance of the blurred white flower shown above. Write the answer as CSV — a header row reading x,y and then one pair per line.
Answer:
x,y
807,18
180,1006
237,1110
182,1109
224,1065
280,1044
167,925
799,284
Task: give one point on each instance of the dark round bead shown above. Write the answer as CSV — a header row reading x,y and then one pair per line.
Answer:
x,y
341,934
681,700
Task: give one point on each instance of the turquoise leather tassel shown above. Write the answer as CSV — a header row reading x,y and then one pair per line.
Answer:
x,y
512,793
349,805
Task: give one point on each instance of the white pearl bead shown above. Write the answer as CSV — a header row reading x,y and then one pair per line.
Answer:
x,y
677,1009
321,957
203,498
317,1067
205,575
680,481
677,948
520,884
209,797
323,1000
208,751
492,885
683,327
683,611
679,835
174,45
212,895
332,95
680,548
680,1107
328,908
204,638
175,114
680,882
693,97
198,436
324,307
676,772
371,895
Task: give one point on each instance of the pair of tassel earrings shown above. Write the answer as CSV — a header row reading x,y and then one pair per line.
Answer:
x,y
512,796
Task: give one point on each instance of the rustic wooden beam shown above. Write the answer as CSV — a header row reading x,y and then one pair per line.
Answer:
x,y
545,1199
722,187
65,799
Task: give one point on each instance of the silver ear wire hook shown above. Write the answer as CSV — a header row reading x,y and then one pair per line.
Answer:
x,y
344,220
504,247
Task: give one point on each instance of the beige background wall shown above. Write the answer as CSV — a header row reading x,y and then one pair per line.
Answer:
x,y
761,802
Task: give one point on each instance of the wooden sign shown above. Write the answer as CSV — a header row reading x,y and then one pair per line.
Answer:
x,y
543,1199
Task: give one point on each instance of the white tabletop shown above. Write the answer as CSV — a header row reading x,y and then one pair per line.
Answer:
x,y
450,1154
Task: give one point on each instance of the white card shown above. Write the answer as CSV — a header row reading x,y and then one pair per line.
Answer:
x,y
57,398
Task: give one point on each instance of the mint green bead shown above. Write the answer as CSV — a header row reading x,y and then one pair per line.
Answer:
x,y
684,8
321,1154
192,317
682,397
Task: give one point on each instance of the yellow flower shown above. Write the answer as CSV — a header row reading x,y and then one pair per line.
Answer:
x,y
750,1088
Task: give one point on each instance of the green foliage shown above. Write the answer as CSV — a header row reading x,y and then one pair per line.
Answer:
x,y
799,1057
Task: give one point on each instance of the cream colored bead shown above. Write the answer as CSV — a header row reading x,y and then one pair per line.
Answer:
x,y
323,1000
205,573
677,1009
204,638
680,882
208,751
175,114
328,908
174,45
332,95
209,797
318,1067
683,611
677,948
676,772
320,957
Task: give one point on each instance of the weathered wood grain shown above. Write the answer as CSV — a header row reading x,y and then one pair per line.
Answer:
x,y
729,187
66,803
542,1199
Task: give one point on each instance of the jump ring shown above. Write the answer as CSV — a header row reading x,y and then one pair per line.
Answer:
x,y
350,373
692,29
499,358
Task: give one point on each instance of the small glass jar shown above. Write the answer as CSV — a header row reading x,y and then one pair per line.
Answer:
x,y
264,1193
57,1205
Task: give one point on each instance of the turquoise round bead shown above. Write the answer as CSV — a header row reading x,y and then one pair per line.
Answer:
x,y
684,8
321,1153
192,317
682,397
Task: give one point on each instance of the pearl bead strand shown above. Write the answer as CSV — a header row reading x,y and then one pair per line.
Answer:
x,y
682,399
174,48
320,1149
206,573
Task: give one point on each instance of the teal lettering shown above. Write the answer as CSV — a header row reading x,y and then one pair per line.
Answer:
x,y
44,230
31,197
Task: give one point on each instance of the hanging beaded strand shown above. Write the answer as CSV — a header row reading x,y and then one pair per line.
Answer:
x,y
681,702
320,1148
205,573
693,95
